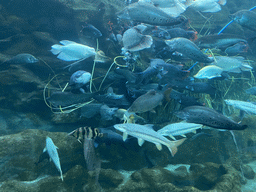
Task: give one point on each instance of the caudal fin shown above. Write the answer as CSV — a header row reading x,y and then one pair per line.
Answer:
x,y
173,148
56,49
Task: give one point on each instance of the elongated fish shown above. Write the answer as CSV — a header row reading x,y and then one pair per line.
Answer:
x,y
209,117
188,49
53,154
147,13
64,99
143,132
245,18
248,107
181,128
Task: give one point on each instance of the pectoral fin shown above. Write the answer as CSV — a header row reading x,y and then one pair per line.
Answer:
x,y
140,141
159,146
125,135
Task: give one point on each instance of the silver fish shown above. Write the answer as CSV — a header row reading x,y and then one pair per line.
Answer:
x,y
147,13
209,72
248,107
53,154
143,132
181,128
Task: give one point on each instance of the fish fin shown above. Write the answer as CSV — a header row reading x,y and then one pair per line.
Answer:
x,y
67,42
61,176
125,135
44,150
213,10
159,146
183,135
56,49
174,144
50,159
172,137
152,111
140,141
150,126
65,57
222,2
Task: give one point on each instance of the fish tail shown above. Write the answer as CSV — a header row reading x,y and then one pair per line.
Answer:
x,y
222,2
56,49
61,176
173,147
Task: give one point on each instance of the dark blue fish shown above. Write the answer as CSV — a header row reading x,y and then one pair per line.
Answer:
x,y
90,30
236,49
201,87
245,18
209,117
22,58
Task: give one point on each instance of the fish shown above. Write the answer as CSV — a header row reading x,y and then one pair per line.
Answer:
x,y
147,13
245,18
201,87
90,110
146,102
125,116
112,101
79,79
189,49
22,58
144,132
133,40
221,41
91,31
211,6
247,107
107,112
234,64
209,117
127,74
251,91
112,95
236,49
171,7
51,149
175,32
209,72
183,99
72,51
177,129
64,99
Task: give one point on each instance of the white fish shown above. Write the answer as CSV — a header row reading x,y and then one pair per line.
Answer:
x,y
232,64
72,51
144,132
209,72
53,154
207,5
248,107
181,128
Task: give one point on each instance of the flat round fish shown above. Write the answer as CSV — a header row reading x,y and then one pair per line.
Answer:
x,y
209,72
146,102
210,117
189,49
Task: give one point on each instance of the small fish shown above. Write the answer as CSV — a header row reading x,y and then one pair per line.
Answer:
x,y
107,112
234,64
79,79
189,49
72,51
112,95
183,99
209,72
64,99
146,102
211,6
123,115
147,13
22,58
245,18
133,40
247,107
53,154
177,129
91,31
209,117
251,91
176,32
221,41
144,132
201,87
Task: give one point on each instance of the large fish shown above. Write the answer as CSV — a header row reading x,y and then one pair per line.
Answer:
x,y
211,6
245,18
51,149
144,132
247,107
146,102
209,117
181,128
147,13
64,99
189,49
221,41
